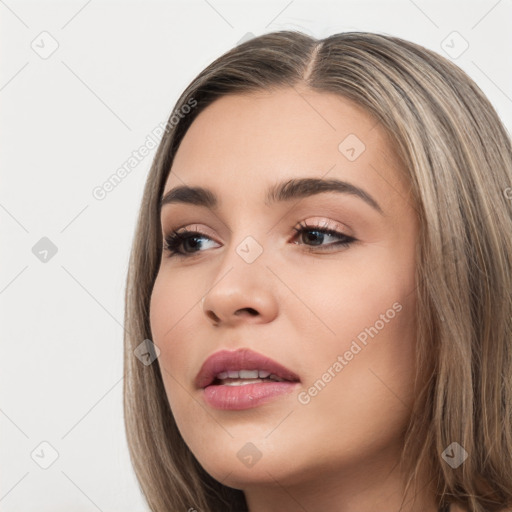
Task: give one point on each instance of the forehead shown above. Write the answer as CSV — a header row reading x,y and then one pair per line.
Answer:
x,y
244,143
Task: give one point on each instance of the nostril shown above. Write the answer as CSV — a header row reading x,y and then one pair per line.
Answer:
x,y
213,316
251,311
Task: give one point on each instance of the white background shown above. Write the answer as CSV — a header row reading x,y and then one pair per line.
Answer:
x,y
68,122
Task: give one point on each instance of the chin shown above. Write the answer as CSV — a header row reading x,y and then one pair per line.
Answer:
x,y
241,464
237,475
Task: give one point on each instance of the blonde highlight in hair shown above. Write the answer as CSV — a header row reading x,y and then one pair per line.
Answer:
x,y
458,160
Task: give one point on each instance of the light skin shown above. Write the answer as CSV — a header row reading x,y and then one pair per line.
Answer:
x,y
309,300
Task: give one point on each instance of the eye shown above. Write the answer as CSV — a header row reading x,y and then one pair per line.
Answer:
x,y
186,243
189,239
319,234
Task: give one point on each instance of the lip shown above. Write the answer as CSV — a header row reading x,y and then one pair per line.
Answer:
x,y
246,396
241,359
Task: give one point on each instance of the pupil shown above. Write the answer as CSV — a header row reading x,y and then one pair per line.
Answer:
x,y
193,241
315,238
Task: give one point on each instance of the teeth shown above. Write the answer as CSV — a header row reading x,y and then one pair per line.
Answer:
x,y
246,377
247,374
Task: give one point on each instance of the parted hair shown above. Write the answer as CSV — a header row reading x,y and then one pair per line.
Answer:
x,y
457,158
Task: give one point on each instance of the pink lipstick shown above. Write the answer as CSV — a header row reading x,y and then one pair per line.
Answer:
x,y
243,379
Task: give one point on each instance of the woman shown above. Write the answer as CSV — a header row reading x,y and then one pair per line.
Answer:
x,y
323,266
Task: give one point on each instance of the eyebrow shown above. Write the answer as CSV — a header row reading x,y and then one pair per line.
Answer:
x,y
285,191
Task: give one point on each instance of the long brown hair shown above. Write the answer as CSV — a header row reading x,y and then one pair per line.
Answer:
x,y
458,159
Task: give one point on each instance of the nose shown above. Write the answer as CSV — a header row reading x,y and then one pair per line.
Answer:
x,y
241,293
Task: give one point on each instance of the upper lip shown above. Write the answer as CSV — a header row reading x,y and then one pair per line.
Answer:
x,y
241,359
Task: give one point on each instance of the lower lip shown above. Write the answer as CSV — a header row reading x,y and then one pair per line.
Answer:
x,y
236,398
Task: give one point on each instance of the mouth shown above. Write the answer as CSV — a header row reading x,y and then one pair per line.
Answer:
x,y
243,379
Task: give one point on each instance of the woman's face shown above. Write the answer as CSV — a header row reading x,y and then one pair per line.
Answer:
x,y
339,316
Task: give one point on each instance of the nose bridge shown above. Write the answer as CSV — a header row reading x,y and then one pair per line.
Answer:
x,y
248,236
242,281
243,264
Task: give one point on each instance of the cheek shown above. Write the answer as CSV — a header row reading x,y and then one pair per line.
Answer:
x,y
172,304
174,307
363,373
366,318
174,322
165,313
371,289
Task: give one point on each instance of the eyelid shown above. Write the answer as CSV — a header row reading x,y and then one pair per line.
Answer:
x,y
323,223
190,227
308,222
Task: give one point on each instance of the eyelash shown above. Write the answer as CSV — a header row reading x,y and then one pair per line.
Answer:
x,y
174,239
